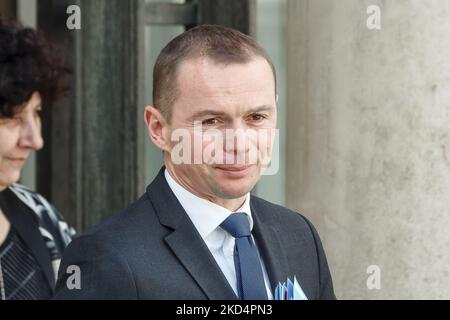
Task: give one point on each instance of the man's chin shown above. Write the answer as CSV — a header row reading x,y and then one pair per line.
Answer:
x,y
232,192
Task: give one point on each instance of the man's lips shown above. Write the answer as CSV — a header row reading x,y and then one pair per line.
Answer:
x,y
233,168
235,172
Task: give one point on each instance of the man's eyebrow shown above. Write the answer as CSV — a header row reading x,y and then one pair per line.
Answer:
x,y
203,113
261,109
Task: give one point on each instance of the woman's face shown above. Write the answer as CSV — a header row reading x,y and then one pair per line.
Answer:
x,y
18,137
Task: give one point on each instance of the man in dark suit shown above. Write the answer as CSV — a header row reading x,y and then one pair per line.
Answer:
x,y
197,233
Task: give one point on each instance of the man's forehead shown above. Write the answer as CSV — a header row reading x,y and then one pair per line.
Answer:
x,y
205,77
205,68
228,89
226,102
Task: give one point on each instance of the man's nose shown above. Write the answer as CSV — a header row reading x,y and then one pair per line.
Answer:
x,y
237,139
242,146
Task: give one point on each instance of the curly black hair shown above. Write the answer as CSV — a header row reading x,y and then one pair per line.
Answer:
x,y
28,64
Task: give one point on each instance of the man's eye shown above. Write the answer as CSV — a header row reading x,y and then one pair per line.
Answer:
x,y
257,117
210,122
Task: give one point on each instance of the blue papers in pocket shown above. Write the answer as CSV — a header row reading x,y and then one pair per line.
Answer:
x,y
289,290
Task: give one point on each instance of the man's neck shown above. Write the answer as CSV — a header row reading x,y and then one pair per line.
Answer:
x,y
230,204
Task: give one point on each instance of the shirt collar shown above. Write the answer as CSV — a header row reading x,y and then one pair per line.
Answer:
x,y
204,214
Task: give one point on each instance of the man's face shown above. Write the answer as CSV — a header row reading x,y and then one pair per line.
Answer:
x,y
18,137
228,99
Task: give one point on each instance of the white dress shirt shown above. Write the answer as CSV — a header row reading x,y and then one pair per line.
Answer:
x,y
207,217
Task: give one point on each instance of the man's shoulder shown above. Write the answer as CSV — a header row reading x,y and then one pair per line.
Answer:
x,y
268,211
125,221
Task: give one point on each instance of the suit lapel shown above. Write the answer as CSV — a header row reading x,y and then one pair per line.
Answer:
x,y
186,243
23,222
193,253
269,245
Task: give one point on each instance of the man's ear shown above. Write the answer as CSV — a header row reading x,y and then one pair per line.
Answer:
x,y
156,126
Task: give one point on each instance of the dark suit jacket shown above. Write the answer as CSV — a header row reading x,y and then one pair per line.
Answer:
x,y
152,250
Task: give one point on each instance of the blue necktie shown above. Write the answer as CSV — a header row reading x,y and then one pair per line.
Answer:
x,y
250,279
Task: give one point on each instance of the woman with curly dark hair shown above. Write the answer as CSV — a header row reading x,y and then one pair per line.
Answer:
x,y
32,233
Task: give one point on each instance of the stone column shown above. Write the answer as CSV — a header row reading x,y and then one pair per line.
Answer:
x,y
8,9
237,14
92,165
368,142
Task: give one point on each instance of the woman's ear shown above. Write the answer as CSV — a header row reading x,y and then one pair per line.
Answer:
x,y
156,126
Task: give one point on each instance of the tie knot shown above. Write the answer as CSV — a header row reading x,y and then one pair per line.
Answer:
x,y
237,225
